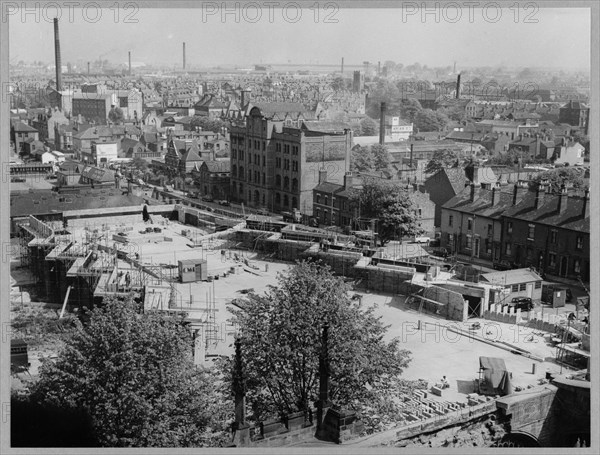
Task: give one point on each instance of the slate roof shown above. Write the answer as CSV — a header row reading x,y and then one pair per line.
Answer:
x,y
325,126
98,174
328,187
191,155
482,205
548,214
21,127
218,165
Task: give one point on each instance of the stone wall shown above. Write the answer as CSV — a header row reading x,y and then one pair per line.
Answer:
x,y
453,305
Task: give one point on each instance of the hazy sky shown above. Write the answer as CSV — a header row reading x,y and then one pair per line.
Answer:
x,y
560,38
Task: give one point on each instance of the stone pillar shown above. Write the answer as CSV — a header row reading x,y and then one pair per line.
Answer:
x,y
323,403
241,430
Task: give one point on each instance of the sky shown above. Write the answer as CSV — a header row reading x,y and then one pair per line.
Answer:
x,y
557,37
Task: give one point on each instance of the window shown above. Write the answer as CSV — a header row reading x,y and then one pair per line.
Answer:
x,y
264,160
553,237
523,287
277,198
286,184
508,249
318,198
469,224
538,284
420,212
488,246
552,259
515,288
579,242
450,220
490,229
295,166
278,181
509,227
577,266
469,242
531,233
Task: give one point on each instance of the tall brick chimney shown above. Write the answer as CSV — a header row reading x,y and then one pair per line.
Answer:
x,y
586,204
184,55
458,86
539,195
57,62
322,175
382,124
474,191
562,199
518,190
129,55
342,65
495,195
348,180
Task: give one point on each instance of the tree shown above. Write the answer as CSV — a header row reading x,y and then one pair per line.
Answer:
x,y
430,120
568,176
115,115
409,108
441,159
390,205
368,127
281,342
381,157
339,84
362,159
134,375
139,164
208,124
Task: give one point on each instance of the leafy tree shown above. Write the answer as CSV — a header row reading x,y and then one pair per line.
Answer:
x,y
134,375
568,176
409,108
390,205
208,124
441,159
339,84
362,159
115,115
281,341
381,157
583,139
430,120
139,164
368,127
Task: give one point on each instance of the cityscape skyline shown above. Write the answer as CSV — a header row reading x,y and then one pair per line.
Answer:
x,y
538,43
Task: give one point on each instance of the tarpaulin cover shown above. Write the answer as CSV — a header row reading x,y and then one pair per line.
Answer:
x,y
495,374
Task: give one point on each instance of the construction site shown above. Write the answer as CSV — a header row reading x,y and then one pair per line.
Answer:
x,y
182,261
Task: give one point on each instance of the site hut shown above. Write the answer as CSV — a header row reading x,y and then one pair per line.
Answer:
x,y
518,283
191,270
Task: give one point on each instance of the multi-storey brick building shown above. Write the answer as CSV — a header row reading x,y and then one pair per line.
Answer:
x,y
276,156
550,232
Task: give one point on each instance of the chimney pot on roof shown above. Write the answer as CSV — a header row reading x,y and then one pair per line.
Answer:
x,y
586,204
562,199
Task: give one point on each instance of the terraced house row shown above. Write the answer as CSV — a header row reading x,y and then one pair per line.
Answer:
x,y
521,225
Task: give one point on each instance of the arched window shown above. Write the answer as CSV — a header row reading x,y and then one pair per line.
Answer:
x,y
278,181
277,198
241,172
234,170
286,201
286,183
294,184
294,203
256,196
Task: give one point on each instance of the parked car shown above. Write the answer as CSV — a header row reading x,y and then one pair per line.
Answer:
x,y
439,252
521,303
422,239
224,202
207,198
502,265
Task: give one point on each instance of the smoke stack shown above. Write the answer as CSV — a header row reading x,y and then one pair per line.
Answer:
x,y
57,62
322,175
88,68
454,67
458,86
495,195
382,125
129,55
183,55
379,68
342,65
411,155
539,195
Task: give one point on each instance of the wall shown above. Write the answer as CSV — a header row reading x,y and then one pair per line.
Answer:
x,y
454,307
533,413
